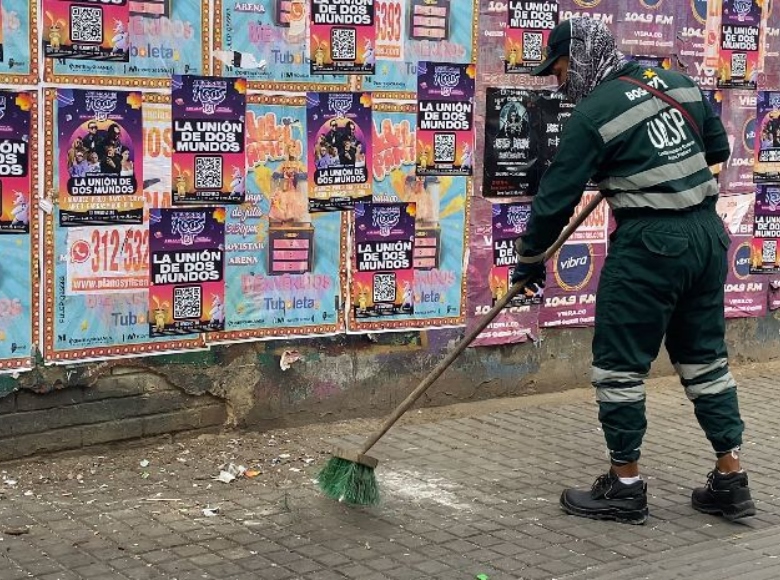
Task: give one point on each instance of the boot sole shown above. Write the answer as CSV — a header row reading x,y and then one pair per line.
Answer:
x,y
633,517
734,512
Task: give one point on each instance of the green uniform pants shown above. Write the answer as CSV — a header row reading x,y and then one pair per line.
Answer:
x,y
664,276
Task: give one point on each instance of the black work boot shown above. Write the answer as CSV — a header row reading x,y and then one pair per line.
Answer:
x,y
608,499
725,494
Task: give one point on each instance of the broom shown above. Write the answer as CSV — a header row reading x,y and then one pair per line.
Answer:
x,y
349,475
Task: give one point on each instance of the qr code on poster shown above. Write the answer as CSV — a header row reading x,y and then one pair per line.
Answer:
x,y
769,253
444,147
738,64
384,287
532,46
208,172
187,302
343,42
86,24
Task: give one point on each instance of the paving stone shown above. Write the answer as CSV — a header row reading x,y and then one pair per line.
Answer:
x,y
479,494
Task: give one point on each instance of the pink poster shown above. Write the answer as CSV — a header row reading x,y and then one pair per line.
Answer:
x,y
739,118
15,166
88,29
745,292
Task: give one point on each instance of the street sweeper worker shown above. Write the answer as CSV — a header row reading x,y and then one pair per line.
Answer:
x,y
647,137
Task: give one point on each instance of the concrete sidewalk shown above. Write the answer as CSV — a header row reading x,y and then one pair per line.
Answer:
x,y
467,491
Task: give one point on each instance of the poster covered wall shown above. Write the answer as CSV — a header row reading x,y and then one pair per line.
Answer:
x,y
267,42
285,267
410,31
441,210
96,278
286,248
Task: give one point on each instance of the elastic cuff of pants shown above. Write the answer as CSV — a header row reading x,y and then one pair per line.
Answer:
x,y
733,450
624,459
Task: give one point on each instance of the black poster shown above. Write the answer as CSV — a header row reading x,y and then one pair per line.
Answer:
x,y
522,132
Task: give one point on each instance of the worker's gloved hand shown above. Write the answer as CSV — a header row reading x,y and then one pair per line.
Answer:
x,y
535,275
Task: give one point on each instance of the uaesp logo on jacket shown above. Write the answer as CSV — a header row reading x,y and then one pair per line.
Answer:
x,y
574,266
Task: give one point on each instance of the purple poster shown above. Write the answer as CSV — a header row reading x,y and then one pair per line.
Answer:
x,y
514,324
739,118
647,27
740,31
695,55
187,289
15,172
445,119
383,263
604,10
765,258
340,130
509,222
767,157
769,48
573,273
100,157
745,293
208,158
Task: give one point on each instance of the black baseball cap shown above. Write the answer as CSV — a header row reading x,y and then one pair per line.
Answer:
x,y
558,45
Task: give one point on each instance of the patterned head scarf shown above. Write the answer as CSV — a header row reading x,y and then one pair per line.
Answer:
x,y
594,56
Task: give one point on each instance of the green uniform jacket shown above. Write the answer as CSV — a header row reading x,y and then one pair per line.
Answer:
x,y
638,149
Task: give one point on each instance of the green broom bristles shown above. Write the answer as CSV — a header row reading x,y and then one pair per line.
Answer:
x,y
350,482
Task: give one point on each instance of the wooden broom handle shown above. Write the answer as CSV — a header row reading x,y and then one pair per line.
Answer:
x,y
481,325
